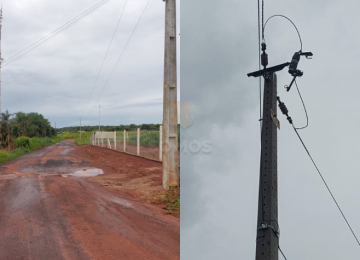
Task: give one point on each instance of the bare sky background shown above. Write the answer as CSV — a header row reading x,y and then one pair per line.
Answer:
x,y
219,46
56,78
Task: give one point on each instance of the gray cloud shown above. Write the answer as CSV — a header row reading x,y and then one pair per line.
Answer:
x,y
219,190
56,78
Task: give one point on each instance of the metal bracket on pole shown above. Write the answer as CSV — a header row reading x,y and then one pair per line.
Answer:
x,y
266,225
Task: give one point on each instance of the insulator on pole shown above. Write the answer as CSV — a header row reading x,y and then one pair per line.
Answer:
x,y
264,59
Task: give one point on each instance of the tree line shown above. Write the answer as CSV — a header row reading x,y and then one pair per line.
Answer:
x,y
24,124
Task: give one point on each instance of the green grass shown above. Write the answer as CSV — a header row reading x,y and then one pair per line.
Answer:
x,y
27,145
82,141
65,136
172,200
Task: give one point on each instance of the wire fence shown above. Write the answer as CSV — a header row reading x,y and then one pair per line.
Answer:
x,y
143,143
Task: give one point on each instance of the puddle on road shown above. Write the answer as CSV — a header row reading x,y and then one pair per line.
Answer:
x,y
122,202
66,151
86,173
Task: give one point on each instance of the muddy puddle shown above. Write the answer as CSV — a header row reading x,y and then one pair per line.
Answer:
x,y
85,173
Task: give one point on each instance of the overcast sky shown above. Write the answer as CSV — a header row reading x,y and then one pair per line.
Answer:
x,y
219,192
56,78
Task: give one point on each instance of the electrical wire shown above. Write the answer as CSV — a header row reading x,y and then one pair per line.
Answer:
x,y
122,52
307,118
127,43
107,52
56,32
259,61
326,184
282,253
279,15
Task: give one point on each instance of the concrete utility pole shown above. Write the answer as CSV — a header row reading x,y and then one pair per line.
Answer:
x,y
8,130
99,118
80,128
160,146
267,240
1,60
170,120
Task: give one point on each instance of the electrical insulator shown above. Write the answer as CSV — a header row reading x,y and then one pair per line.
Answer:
x,y
264,59
263,46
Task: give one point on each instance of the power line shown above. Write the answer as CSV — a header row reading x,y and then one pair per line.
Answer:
x,y
107,51
132,33
122,52
56,32
283,16
259,61
282,253
307,118
326,184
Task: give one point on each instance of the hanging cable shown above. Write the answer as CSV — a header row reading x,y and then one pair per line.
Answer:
x,y
279,15
307,118
282,253
57,31
262,20
106,54
122,52
326,186
260,116
322,178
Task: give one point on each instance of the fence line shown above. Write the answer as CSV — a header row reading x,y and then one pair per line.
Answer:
x,y
143,143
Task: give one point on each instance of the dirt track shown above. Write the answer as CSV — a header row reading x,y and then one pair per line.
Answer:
x,y
46,215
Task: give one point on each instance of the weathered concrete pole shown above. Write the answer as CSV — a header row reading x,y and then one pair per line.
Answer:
x,y
170,142
160,144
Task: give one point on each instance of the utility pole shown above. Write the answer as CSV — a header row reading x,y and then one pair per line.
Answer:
x,y
8,130
170,120
99,118
80,128
1,61
267,239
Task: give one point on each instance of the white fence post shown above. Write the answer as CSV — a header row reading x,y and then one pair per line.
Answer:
x,y
124,140
160,144
108,143
114,140
138,141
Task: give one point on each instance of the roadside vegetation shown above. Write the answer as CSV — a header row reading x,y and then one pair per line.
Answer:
x,y
82,141
172,201
23,133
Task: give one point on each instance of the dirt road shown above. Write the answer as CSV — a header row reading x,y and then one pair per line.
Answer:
x,y
48,212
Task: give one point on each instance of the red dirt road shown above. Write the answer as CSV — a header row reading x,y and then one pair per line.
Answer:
x,y
47,216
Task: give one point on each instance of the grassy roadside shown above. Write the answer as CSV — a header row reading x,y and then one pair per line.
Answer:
x,y
82,141
27,145
172,201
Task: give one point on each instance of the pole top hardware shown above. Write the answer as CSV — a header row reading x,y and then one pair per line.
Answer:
x,y
266,225
293,66
266,71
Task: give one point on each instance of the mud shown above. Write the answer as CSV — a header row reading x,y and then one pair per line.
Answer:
x,y
46,216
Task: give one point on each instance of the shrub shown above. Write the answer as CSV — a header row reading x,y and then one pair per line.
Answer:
x,y
23,142
35,144
4,157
